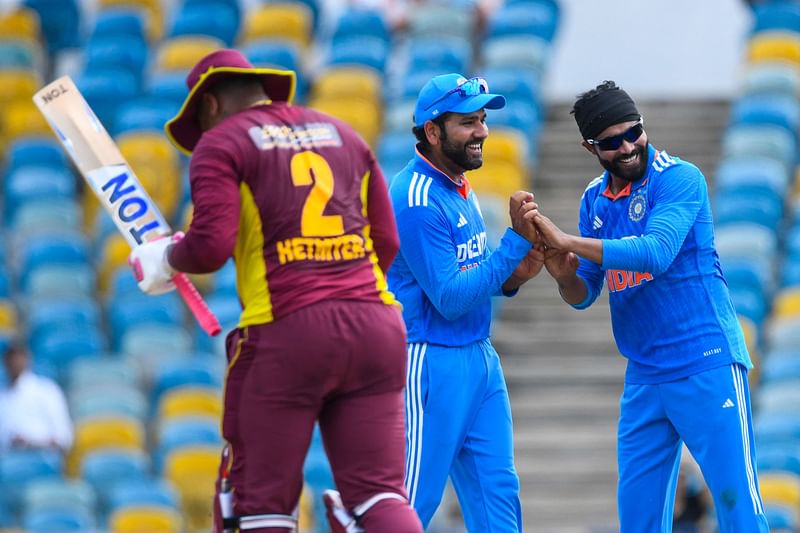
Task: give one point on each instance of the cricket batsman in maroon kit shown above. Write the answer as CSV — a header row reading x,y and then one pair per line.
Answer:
x,y
297,199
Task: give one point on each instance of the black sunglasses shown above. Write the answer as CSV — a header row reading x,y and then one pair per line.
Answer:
x,y
609,144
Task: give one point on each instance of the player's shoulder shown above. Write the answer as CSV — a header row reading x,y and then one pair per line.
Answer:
x,y
593,187
414,189
666,165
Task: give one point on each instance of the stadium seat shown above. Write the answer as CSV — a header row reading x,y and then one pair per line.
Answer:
x,y
528,53
525,18
21,118
104,88
145,519
35,151
395,149
216,18
511,83
157,165
360,50
18,468
152,11
746,239
778,458
195,371
21,55
179,432
108,400
109,370
769,16
780,488
120,21
118,51
152,338
779,367
290,21
61,280
106,468
746,204
779,110
734,172
446,54
781,518
59,493
18,84
499,178
523,117
780,399
774,46
772,78
181,53
62,345
46,250
783,333
362,115
193,471
146,114
47,215
507,145
142,492
21,24
361,21
190,400
61,32
62,520
348,81
787,303
759,140
426,20
93,434
36,183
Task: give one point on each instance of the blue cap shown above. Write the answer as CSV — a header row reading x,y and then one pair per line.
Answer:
x,y
442,94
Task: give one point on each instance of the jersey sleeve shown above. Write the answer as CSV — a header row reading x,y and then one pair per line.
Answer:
x,y
383,230
430,253
211,236
676,203
588,271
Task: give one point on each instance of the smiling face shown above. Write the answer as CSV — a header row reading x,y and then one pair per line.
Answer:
x,y
458,145
629,161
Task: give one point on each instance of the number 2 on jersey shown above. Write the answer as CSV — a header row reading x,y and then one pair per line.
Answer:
x,y
310,168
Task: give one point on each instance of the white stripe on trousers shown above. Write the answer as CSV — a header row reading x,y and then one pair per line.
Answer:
x,y
738,385
414,417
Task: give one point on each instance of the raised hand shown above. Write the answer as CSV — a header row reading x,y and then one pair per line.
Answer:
x,y
561,265
519,205
550,234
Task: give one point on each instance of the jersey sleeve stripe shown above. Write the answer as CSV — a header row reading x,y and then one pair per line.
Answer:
x,y
414,179
425,191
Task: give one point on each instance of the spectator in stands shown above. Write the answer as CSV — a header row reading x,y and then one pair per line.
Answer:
x,y
33,410
646,229
297,197
457,402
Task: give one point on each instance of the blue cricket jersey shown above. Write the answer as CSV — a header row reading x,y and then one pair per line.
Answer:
x,y
444,275
671,312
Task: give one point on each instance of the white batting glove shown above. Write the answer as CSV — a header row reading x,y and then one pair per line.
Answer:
x,y
150,266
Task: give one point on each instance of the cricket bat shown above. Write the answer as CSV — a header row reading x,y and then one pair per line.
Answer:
x,y
103,167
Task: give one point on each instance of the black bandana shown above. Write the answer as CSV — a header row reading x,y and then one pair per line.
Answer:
x,y
604,110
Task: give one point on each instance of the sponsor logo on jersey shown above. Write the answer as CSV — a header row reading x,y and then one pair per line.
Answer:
x,y
620,280
461,221
472,249
295,136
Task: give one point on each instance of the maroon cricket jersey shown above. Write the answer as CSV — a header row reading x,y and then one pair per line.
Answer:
x,y
298,200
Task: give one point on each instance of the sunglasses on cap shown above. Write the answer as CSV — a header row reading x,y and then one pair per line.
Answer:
x,y
470,87
631,135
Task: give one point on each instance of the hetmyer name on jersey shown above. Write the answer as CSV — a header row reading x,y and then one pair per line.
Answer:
x,y
472,249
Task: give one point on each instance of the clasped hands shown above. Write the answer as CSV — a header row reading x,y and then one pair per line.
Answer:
x,y
555,245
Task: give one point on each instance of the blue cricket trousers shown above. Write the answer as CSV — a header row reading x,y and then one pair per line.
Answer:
x,y
458,424
710,412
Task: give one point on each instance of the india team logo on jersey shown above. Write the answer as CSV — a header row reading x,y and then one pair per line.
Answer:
x,y
637,207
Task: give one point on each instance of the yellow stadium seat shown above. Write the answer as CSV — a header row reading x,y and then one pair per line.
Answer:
x,y
22,23
283,21
154,14
787,303
348,81
190,400
183,52
193,471
145,519
104,432
780,487
18,85
157,165
8,315
508,145
362,115
499,178
774,46
24,119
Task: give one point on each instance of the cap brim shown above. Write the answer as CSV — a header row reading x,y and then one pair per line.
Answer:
x,y
480,101
183,129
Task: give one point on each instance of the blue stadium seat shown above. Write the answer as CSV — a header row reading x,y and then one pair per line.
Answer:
x,y
121,21
62,520
18,468
446,54
361,22
757,204
772,78
777,399
143,492
27,183
195,371
61,280
525,18
167,86
528,53
760,140
225,305
750,302
748,272
144,113
48,313
60,32
777,457
117,52
216,18
745,239
360,50
20,55
777,367
783,334
60,346
59,493
778,110
749,171
110,370
781,518
224,279
395,150
177,432
790,271
48,250
47,215
151,338
512,83
106,400
773,428
128,310
108,467
776,16
281,54
104,89
36,151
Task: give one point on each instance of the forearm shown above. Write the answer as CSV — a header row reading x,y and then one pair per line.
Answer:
x,y
572,289
591,249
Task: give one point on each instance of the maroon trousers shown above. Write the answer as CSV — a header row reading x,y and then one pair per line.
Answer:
x,y
342,363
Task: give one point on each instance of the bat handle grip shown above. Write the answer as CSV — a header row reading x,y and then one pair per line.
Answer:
x,y
194,301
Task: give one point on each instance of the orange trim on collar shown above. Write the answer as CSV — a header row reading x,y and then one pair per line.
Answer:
x,y
465,187
626,191
463,178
